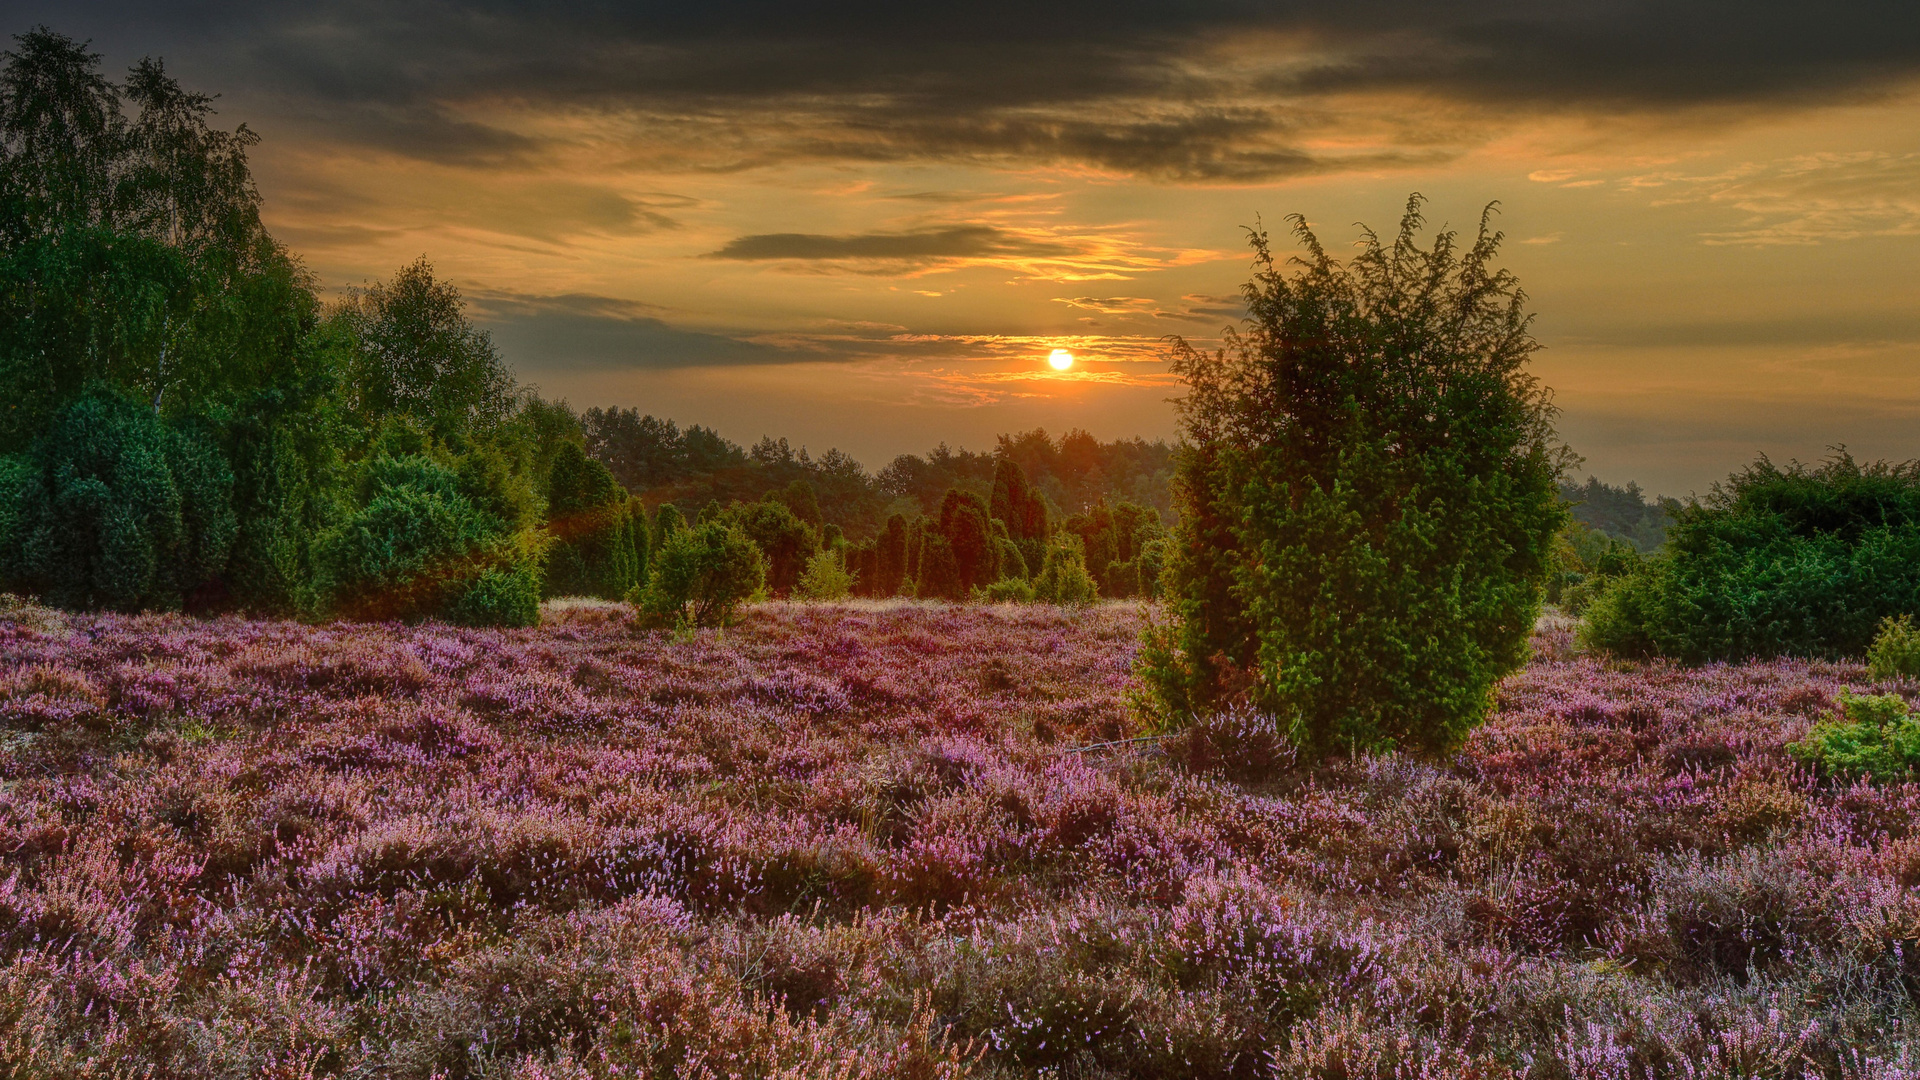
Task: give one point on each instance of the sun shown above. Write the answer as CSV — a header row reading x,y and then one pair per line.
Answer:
x,y
1061,359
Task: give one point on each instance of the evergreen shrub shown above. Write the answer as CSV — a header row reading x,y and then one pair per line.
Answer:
x,y
966,528
1063,577
1876,737
1367,498
778,532
115,509
417,547
1009,590
700,576
598,549
1895,652
825,578
1794,561
1023,512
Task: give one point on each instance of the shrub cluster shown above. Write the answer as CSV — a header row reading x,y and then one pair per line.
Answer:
x,y
114,508
600,537
1794,561
1012,548
428,541
701,575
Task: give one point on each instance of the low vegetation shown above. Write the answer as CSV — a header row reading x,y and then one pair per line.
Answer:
x,y
865,841
1876,737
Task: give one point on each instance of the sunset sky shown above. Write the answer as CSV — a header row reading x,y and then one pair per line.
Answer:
x,y
867,226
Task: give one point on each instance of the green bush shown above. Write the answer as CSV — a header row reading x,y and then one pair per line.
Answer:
x,y
1895,652
1008,591
700,576
667,520
1063,577
17,477
937,574
500,596
1012,562
966,527
825,578
1123,545
787,541
598,549
800,498
1876,737
1797,561
417,547
291,484
1367,499
115,509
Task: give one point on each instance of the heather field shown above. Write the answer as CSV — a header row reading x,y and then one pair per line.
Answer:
x,y
844,841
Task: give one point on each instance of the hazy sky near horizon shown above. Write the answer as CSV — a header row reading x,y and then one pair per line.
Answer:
x,y
865,225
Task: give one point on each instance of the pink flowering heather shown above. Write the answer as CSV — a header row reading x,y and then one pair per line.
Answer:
x,y
843,841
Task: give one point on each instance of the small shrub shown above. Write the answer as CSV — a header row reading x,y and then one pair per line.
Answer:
x,y
1063,577
788,543
1009,591
825,578
1874,736
1012,563
417,548
1895,652
508,596
937,575
700,576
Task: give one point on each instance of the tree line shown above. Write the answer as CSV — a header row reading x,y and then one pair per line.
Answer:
x,y
189,425
1075,472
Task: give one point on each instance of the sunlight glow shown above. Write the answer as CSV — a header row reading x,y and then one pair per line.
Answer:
x,y
1061,359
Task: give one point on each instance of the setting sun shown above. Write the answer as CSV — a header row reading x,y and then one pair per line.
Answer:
x,y
1061,359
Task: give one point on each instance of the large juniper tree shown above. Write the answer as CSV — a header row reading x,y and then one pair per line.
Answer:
x,y
1366,496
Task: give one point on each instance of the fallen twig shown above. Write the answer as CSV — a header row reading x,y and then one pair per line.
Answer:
x,y
1116,742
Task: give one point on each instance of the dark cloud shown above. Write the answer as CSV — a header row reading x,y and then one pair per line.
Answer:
x,y
1180,90
1193,307
574,332
926,245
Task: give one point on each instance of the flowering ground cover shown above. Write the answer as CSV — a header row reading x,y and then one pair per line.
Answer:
x,y
863,841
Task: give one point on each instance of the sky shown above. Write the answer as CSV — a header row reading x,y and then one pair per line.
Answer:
x,y
867,225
